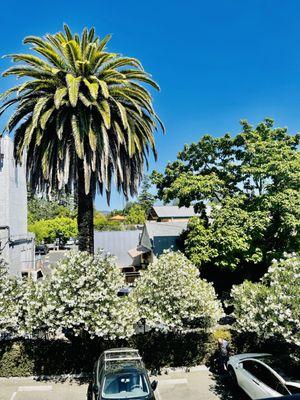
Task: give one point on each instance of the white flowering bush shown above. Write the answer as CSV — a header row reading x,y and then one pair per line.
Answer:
x,y
17,297
8,303
80,296
271,308
171,294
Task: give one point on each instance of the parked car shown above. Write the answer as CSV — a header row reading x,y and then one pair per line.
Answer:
x,y
262,376
120,374
289,397
71,242
41,249
124,291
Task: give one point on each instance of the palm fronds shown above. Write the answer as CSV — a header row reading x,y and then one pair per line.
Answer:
x,y
80,102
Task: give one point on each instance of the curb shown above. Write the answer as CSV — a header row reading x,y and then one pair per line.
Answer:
x,y
84,375
166,371
61,377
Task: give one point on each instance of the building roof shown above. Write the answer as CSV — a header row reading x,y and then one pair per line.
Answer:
x,y
172,228
117,218
164,235
117,243
174,211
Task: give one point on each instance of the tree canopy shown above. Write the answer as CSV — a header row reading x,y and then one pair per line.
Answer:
x,y
145,198
48,230
246,190
49,208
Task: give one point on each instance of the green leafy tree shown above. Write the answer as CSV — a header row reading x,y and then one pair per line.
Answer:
x,y
171,294
102,223
44,208
62,228
146,199
82,116
135,215
246,190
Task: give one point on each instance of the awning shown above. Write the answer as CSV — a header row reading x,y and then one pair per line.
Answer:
x,y
138,251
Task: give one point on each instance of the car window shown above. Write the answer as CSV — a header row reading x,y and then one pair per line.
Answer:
x,y
125,385
101,373
250,366
285,366
266,376
293,389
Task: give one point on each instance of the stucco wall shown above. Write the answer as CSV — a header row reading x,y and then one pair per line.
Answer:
x,y
19,253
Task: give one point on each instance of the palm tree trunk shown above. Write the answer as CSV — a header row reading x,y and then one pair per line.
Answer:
x,y
85,214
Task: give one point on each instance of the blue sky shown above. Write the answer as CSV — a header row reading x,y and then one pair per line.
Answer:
x,y
216,61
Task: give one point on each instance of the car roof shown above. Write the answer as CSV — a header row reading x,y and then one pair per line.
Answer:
x,y
121,358
245,356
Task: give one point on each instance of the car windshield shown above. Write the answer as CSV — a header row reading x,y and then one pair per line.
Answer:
x,y
284,366
128,384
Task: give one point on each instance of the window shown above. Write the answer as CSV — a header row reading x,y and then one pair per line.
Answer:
x,y
39,274
1,161
16,176
266,376
124,385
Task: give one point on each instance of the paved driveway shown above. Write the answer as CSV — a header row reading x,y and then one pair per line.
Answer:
x,y
198,384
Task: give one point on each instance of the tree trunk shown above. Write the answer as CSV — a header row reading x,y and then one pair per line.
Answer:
x,y
85,214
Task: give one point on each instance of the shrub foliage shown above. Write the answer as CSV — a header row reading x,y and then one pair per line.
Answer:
x,y
271,308
171,294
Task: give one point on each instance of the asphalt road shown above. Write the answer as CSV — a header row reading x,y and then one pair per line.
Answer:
x,y
198,384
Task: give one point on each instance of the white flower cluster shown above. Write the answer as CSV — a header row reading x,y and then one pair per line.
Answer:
x,y
8,303
80,297
271,308
170,294
15,305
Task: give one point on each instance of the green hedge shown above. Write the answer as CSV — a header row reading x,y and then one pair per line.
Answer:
x,y
55,357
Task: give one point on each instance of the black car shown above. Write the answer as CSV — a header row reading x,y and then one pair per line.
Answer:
x,y
41,249
120,374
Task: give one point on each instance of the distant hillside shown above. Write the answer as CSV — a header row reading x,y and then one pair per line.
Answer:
x,y
105,212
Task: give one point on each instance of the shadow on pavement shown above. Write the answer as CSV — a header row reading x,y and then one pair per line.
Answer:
x,y
225,390
65,378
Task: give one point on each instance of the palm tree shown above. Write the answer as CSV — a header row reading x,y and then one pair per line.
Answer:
x,y
84,117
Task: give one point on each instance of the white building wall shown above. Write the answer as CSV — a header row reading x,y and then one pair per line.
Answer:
x,y
17,245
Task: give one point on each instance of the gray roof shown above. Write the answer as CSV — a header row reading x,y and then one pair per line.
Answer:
x,y
172,228
117,243
164,235
174,211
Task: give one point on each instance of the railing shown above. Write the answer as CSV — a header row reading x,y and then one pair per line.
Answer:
x,y
130,277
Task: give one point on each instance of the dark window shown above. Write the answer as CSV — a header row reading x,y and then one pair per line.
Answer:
x,y
1,161
16,176
39,274
293,389
266,376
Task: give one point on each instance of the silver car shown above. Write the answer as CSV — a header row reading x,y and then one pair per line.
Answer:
x,y
262,376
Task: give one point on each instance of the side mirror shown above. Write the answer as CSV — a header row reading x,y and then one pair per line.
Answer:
x,y
240,365
154,385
